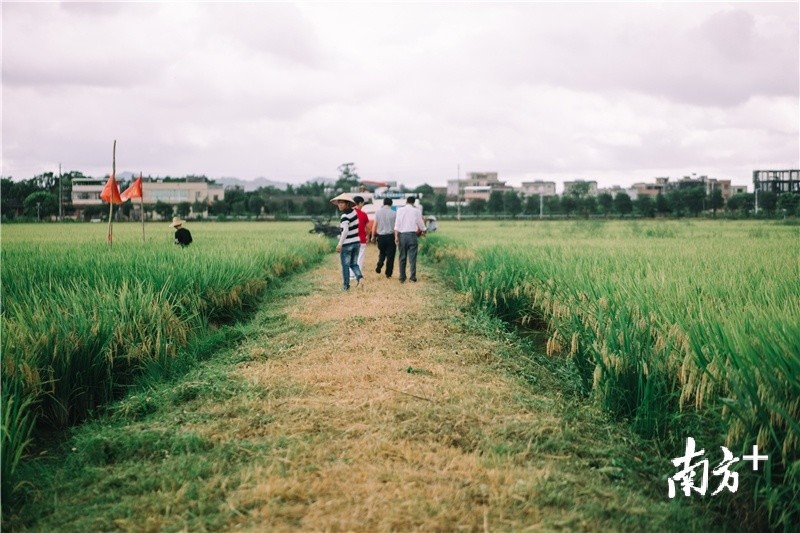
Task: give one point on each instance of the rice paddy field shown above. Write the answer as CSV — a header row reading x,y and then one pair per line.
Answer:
x,y
82,321
676,328
683,329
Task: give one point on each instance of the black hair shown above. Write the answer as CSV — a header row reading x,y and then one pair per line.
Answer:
x,y
387,201
411,200
358,199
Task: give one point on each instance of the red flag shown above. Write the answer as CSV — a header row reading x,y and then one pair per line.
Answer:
x,y
110,192
134,191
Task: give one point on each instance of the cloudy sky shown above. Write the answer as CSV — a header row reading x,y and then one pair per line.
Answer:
x,y
617,92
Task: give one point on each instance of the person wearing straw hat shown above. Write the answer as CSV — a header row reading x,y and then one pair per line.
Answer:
x,y
349,243
183,236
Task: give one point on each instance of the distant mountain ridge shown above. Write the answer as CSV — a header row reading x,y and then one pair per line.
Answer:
x,y
252,185
247,185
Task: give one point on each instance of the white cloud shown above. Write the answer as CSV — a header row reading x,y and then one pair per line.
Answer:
x,y
619,92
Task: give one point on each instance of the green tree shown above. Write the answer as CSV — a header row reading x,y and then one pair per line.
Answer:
x,y
125,209
742,202
569,203
532,204
553,204
495,204
239,207
512,203
40,204
605,202
440,204
312,206
149,209
47,181
348,178
14,194
677,202
579,193
183,209
95,211
695,199
588,205
477,206
645,206
768,201
235,194
164,210
9,204
217,209
716,201
662,204
199,208
274,207
789,203
623,204
424,189
310,188
255,204
426,205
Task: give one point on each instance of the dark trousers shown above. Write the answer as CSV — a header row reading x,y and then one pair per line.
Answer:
x,y
386,250
408,252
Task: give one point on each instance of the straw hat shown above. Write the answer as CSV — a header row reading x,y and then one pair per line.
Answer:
x,y
177,222
344,196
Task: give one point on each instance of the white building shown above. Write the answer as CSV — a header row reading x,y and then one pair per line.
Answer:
x,y
542,188
86,191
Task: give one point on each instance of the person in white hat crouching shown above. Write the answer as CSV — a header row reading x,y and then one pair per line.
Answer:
x,y
183,237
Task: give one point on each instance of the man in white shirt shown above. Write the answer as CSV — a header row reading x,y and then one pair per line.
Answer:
x,y
383,234
406,226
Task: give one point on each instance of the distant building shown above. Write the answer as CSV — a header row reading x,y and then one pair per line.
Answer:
x,y
542,188
439,190
777,181
708,184
614,190
477,192
723,185
651,189
689,182
86,191
663,185
477,185
175,192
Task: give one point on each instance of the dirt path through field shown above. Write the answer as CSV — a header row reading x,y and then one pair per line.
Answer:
x,y
389,413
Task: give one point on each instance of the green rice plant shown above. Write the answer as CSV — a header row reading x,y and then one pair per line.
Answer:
x,y
15,435
81,320
659,327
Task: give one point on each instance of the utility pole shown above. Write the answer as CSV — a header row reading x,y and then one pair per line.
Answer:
x,y
458,196
755,186
60,195
541,206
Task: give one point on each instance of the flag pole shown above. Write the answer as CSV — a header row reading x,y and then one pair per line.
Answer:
x,y
141,203
109,235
